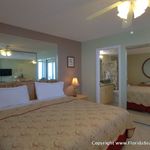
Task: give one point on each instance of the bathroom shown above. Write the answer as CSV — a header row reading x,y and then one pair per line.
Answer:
x,y
109,76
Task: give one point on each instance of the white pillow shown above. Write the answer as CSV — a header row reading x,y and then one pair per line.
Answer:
x,y
13,96
49,90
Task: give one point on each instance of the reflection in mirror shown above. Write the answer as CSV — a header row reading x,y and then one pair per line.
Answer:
x,y
29,59
21,65
138,83
146,68
137,55
109,67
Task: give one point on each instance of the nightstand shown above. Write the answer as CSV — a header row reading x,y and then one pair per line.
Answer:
x,y
81,97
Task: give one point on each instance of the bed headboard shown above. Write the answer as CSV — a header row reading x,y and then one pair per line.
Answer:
x,y
30,85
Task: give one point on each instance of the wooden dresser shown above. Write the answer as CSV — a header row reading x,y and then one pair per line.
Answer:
x,y
106,93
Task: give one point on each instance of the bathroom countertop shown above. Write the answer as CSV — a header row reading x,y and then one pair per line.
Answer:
x,y
105,84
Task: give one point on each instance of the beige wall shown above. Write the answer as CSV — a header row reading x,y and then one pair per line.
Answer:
x,y
66,48
135,74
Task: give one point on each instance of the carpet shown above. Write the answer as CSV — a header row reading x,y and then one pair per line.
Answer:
x,y
140,117
142,133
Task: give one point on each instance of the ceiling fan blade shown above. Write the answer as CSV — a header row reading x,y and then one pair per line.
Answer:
x,y
100,12
128,22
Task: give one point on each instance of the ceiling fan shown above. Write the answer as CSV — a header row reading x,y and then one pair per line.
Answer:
x,y
5,51
127,10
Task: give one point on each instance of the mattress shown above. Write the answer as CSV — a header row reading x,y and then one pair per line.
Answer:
x,y
61,124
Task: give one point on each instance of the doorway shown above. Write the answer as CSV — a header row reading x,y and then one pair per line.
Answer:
x,y
108,76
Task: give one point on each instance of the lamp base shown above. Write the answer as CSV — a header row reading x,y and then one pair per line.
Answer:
x,y
75,95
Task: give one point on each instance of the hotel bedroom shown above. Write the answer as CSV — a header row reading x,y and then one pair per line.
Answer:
x,y
50,95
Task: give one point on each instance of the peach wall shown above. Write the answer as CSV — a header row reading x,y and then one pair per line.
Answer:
x,y
66,48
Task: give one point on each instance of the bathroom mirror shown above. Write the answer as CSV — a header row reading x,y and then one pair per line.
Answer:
x,y
29,60
146,68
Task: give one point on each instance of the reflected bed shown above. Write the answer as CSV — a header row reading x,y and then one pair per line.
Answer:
x,y
138,98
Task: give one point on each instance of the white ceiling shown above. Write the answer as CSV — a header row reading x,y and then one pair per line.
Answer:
x,y
66,18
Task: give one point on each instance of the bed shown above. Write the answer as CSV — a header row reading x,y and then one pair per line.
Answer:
x,y
63,123
138,98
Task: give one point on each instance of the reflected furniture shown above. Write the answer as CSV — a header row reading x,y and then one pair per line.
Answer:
x,y
106,93
138,98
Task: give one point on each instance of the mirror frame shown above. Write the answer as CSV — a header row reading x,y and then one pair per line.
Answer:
x,y
143,70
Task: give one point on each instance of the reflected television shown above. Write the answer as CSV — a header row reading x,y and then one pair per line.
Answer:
x,y
5,72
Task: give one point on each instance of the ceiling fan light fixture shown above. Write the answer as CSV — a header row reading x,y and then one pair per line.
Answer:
x,y
139,7
5,53
123,9
34,62
8,53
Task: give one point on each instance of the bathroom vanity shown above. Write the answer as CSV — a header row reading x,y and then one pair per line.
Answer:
x,y
106,93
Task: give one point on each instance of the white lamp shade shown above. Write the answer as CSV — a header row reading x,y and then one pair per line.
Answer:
x,y
123,9
75,82
140,7
3,53
8,53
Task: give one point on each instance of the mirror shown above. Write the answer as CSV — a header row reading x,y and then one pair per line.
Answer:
x,y
137,64
29,60
146,68
21,64
109,67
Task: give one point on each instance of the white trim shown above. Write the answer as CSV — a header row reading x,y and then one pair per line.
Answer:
x,y
97,77
123,77
119,59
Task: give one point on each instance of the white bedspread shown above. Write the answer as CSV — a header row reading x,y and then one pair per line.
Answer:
x,y
63,124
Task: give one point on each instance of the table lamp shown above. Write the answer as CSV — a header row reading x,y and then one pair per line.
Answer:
x,y
75,84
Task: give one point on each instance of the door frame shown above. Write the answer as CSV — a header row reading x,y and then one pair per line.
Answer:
x,y
118,47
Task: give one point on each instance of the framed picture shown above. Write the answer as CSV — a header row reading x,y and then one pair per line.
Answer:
x,y
70,61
